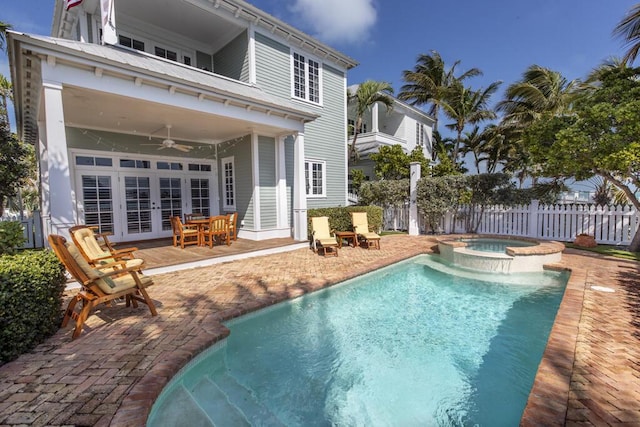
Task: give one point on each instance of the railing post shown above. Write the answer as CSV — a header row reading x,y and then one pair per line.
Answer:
x,y
414,229
533,218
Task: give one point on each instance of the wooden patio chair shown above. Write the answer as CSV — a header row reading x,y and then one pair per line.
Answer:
x,y
185,234
323,236
361,227
103,239
102,284
218,229
233,230
86,241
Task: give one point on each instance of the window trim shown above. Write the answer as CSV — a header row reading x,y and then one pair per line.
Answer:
x,y
307,58
224,161
309,178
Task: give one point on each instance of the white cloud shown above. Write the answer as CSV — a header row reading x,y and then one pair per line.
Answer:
x,y
337,21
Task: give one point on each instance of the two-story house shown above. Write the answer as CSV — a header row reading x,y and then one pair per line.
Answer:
x,y
141,110
402,125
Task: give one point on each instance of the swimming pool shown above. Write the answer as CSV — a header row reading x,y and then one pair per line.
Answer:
x,y
419,343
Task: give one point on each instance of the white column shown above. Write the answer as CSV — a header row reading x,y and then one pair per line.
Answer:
x,y
374,118
58,174
414,229
255,172
281,183
84,29
299,191
252,55
44,178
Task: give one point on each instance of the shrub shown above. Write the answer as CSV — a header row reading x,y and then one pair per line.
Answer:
x,y
340,218
11,236
31,288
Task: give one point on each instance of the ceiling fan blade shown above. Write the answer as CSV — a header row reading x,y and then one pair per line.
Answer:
x,y
184,148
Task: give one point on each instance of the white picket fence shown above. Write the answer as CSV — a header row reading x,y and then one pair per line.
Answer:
x,y
31,226
612,225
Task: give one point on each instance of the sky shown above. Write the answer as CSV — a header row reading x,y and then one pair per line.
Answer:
x,y
500,37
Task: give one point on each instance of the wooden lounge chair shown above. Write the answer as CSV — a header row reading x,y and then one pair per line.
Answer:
x,y
99,285
103,239
185,234
87,243
233,230
217,229
361,227
323,236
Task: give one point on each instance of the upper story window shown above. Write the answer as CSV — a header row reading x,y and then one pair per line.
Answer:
x,y
306,78
315,178
131,42
420,137
166,53
351,125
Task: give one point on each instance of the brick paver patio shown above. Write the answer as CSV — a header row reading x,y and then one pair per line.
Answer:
x,y
590,374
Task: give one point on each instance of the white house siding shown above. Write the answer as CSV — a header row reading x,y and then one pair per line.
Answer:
x,y
241,151
233,60
268,202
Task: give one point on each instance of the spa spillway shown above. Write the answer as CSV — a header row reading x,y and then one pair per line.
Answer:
x,y
499,253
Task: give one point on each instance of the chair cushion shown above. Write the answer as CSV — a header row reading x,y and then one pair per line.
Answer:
x,y
327,242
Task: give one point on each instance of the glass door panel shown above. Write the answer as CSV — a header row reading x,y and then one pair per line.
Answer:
x,y
97,201
138,204
200,199
170,200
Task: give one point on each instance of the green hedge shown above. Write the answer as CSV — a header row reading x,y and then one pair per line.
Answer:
x,y
340,218
31,288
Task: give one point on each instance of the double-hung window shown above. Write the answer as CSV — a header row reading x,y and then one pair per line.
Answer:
x,y
306,78
229,184
420,137
315,178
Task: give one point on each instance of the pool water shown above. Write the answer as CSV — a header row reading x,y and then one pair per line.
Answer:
x,y
419,343
494,245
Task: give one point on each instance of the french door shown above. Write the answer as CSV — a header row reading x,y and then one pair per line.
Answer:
x,y
137,205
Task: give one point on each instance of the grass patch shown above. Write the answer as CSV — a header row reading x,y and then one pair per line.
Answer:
x,y
609,251
390,232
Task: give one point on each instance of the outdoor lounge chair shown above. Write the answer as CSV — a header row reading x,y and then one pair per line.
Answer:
x,y
101,284
185,234
361,227
233,230
217,229
87,243
322,235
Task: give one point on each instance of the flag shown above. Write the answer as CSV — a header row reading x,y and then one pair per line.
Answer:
x,y
108,22
71,3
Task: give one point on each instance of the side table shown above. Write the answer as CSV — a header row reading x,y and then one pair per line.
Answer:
x,y
347,235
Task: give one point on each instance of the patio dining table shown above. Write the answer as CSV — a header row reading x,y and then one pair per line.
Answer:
x,y
201,222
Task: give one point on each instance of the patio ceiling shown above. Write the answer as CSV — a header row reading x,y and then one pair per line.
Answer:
x,y
84,108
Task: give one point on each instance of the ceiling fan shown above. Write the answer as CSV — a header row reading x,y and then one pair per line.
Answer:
x,y
170,143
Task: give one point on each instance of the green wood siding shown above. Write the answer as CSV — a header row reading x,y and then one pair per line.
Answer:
x,y
273,66
233,60
241,151
325,139
267,173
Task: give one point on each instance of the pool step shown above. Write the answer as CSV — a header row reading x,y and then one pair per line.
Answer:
x,y
242,398
183,411
215,404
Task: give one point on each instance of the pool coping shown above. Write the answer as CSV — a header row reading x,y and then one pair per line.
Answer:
x,y
543,247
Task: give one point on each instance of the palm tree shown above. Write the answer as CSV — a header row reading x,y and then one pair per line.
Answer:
x,y
3,33
629,30
466,106
6,93
429,82
363,99
540,91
